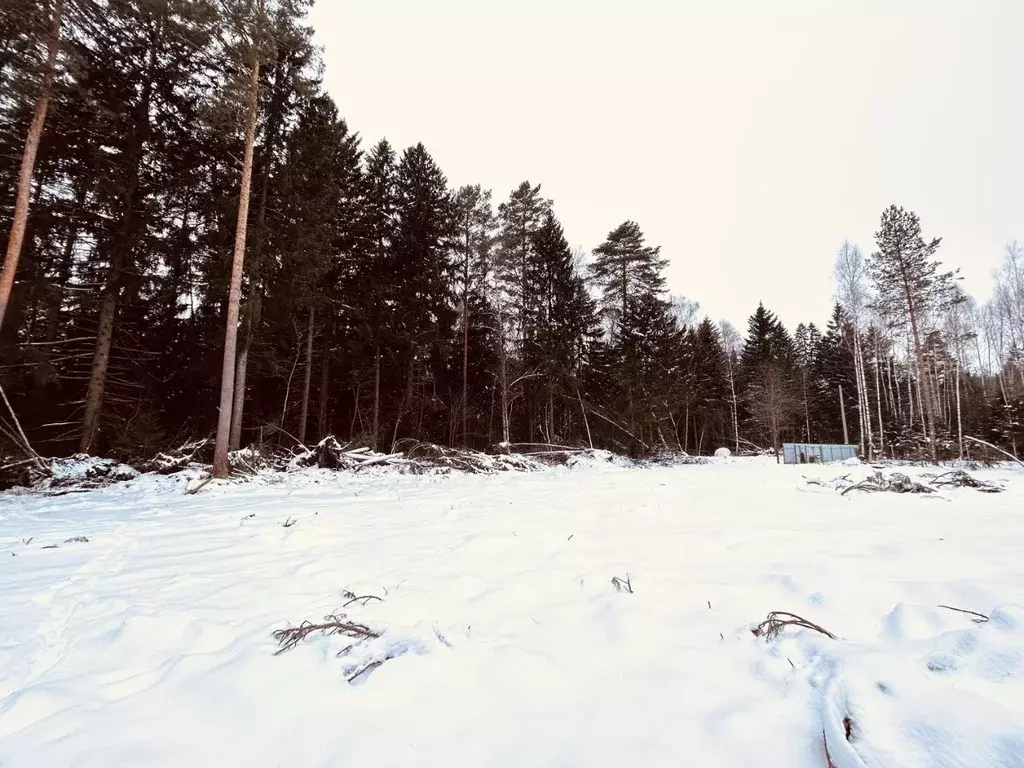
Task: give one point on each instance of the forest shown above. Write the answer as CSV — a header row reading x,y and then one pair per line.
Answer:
x,y
153,150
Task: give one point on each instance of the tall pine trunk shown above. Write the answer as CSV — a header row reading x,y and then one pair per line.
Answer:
x,y
304,411
251,312
227,376
28,161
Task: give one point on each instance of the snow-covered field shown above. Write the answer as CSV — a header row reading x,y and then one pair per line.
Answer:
x,y
150,644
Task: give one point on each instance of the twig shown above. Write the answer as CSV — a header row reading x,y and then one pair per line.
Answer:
x,y
367,668
364,598
982,618
777,621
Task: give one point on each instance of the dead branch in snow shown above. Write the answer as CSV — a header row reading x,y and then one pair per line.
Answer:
x,y
981,617
622,585
777,621
334,624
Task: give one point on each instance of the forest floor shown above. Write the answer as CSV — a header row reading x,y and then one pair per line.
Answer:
x,y
136,622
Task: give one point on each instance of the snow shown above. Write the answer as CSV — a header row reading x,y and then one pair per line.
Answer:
x,y
503,639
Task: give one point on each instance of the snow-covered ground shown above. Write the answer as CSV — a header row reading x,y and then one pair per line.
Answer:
x,y
150,644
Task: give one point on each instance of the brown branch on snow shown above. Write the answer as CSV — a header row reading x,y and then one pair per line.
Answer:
x,y
622,585
334,624
777,621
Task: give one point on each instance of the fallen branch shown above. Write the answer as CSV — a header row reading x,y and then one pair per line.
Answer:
x,y
194,489
981,617
334,624
622,586
777,621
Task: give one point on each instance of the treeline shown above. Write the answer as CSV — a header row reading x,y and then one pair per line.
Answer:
x,y
382,305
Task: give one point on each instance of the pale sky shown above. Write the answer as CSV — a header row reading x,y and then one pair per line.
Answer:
x,y
748,138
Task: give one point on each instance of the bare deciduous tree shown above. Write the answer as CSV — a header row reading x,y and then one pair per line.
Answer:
x,y
773,402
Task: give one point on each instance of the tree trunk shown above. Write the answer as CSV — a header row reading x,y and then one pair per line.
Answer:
x,y
100,362
238,399
503,354
227,376
28,162
878,392
586,423
376,396
406,395
735,409
842,410
927,395
325,364
252,310
304,412
465,371
959,417
288,387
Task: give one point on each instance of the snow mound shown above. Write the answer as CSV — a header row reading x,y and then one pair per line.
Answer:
x,y
723,453
937,689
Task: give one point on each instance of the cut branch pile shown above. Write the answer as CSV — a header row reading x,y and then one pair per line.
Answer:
x,y
960,479
777,621
897,482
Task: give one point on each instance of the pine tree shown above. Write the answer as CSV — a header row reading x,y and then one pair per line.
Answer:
x,y
625,269
909,285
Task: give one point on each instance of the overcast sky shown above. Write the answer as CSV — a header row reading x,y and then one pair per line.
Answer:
x,y
747,138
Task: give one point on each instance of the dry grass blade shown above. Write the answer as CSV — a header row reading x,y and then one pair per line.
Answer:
x,y
289,637
622,585
777,621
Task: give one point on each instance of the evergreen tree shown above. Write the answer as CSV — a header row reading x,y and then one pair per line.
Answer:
x,y
909,285
625,269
